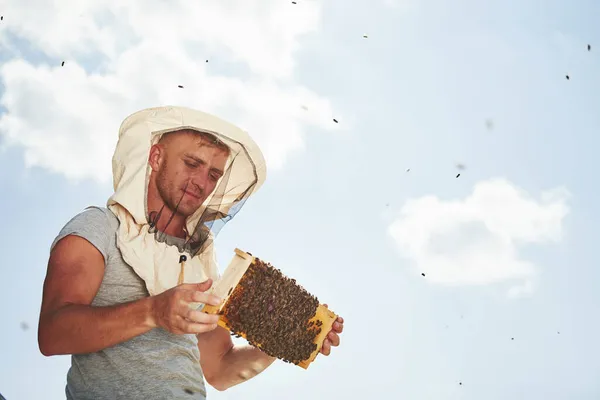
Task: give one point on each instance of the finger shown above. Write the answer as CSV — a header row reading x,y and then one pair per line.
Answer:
x,y
201,317
340,320
196,315
202,286
337,327
200,328
334,339
326,349
194,296
192,327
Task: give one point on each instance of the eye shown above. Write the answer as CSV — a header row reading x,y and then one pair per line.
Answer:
x,y
191,164
214,177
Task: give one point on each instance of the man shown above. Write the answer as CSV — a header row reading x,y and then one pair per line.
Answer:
x,y
124,282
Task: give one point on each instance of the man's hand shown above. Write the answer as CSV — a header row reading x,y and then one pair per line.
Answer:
x,y
171,309
333,338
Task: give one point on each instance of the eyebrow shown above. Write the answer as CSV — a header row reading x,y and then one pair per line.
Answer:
x,y
201,161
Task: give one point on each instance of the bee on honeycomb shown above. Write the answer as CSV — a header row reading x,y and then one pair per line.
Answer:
x,y
273,313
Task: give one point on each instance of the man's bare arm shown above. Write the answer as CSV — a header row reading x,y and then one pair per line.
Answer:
x,y
70,325
225,365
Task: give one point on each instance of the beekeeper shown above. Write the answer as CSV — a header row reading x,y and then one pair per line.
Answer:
x,y
122,281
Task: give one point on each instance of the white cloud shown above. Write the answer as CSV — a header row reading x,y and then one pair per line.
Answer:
x,y
523,290
475,241
120,58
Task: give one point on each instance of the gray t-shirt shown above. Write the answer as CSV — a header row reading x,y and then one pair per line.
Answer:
x,y
155,365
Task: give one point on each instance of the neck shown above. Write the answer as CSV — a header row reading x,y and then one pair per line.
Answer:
x,y
173,228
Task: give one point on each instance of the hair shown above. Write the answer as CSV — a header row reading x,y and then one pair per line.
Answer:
x,y
207,137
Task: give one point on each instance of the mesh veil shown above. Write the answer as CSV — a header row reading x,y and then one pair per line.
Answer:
x,y
238,182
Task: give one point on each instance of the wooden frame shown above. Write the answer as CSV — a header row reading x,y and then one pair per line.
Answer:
x,y
228,283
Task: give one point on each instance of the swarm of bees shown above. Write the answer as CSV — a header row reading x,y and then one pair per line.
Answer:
x,y
273,313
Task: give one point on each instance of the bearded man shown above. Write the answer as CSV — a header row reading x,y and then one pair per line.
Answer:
x,y
124,281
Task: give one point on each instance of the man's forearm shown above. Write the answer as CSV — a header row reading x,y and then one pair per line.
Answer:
x,y
240,364
81,329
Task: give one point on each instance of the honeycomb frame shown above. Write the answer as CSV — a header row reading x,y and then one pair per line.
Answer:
x,y
227,286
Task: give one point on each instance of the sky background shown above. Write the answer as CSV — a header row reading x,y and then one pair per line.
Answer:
x,y
507,307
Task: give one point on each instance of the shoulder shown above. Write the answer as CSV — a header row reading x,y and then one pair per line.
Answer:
x,y
93,218
102,214
95,224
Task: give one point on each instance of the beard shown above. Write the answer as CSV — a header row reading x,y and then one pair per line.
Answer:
x,y
172,196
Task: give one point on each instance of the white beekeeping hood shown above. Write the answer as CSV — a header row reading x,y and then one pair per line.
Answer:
x,y
153,256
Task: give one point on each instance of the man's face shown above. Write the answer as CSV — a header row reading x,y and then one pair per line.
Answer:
x,y
187,170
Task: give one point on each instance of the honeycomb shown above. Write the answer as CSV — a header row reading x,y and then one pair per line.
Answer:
x,y
271,311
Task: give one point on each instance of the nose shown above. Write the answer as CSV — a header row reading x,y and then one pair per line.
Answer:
x,y
196,185
199,182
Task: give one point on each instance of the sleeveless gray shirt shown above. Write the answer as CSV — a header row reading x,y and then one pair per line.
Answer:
x,y
155,365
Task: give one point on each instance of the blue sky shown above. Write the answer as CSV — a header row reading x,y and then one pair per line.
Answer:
x,y
415,94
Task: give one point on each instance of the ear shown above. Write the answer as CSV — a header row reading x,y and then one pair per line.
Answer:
x,y
155,157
